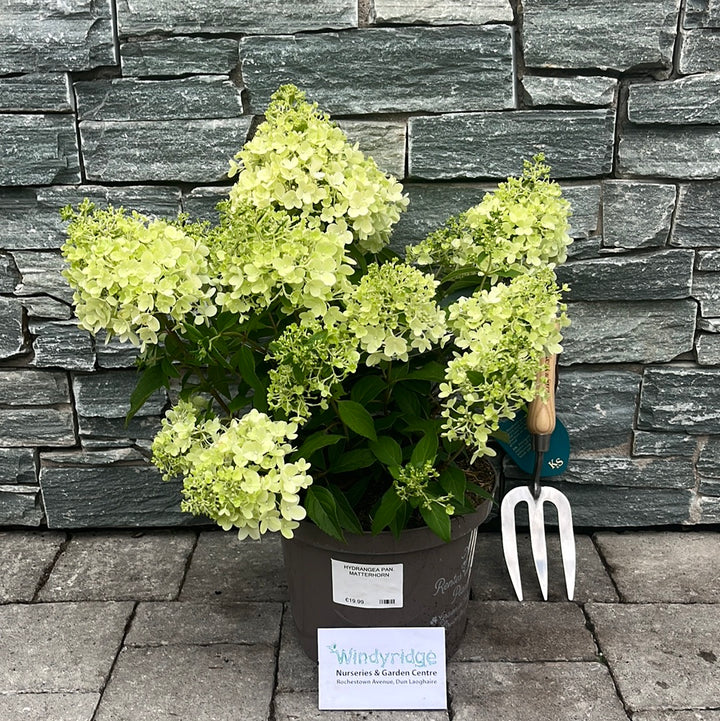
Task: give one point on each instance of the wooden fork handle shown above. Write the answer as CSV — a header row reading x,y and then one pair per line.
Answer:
x,y
541,411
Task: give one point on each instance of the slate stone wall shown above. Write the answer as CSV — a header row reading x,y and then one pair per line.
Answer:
x,y
142,104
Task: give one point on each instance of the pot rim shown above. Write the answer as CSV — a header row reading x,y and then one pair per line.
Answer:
x,y
385,543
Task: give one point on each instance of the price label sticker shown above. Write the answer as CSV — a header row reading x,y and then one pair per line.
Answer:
x,y
367,586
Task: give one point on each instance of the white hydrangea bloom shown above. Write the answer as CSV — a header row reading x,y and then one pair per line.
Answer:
x,y
237,474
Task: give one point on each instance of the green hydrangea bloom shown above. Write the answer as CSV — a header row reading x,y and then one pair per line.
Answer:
x,y
411,484
301,162
520,226
393,311
263,255
310,360
504,333
236,474
127,270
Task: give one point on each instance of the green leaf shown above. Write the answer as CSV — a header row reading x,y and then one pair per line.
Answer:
x,y
169,369
476,377
437,520
390,505
367,389
353,460
322,511
357,419
218,380
480,491
408,401
245,361
425,450
502,436
424,425
432,371
358,491
151,380
387,450
315,442
346,515
453,481
398,524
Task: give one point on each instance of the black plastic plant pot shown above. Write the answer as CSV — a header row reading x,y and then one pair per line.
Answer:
x,y
377,581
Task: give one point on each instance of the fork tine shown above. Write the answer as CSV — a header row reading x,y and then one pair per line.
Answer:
x,y
537,540
509,537
567,537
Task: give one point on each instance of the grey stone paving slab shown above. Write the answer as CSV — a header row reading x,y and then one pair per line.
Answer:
x,y
172,623
304,706
120,565
25,558
663,656
296,672
190,683
490,580
48,706
538,691
704,715
512,631
59,647
664,566
225,569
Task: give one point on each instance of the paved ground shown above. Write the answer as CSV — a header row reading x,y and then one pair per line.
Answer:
x,y
193,626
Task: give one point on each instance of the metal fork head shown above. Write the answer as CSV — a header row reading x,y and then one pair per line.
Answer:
x,y
536,515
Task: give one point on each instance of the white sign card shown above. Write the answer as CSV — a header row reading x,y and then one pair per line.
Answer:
x,y
381,668
367,586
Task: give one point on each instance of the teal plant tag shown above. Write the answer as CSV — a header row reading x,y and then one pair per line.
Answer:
x,y
516,441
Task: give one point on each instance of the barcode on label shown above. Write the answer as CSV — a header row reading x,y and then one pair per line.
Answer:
x,y
386,601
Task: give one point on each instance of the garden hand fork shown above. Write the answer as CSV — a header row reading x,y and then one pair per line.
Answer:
x,y
541,424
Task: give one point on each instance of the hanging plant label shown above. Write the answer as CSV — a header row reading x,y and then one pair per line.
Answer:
x,y
516,441
365,585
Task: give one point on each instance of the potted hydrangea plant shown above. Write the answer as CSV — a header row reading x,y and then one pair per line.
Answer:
x,y
315,373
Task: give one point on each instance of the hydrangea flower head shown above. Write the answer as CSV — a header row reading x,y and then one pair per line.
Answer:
x,y
238,474
301,162
127,270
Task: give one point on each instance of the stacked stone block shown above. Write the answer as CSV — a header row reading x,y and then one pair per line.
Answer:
x,y
142,104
